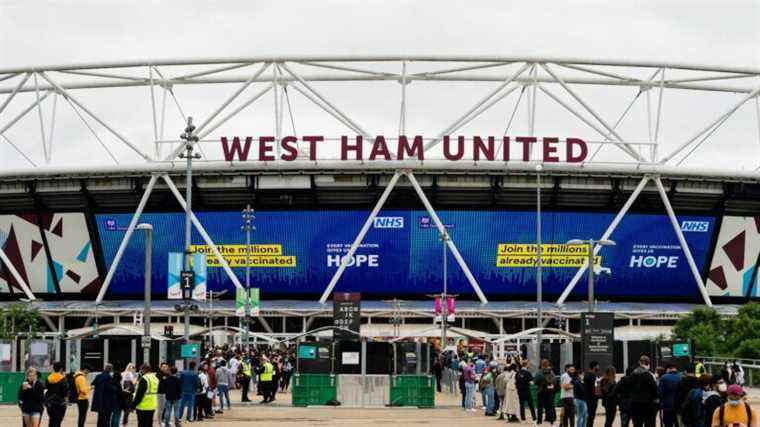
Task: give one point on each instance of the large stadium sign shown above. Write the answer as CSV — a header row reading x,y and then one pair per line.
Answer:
x,y
506,148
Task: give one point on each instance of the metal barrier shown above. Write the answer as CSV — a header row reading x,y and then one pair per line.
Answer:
x,y
751,367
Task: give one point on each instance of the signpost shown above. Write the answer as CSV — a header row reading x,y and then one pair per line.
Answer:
x,y
346,315
598,339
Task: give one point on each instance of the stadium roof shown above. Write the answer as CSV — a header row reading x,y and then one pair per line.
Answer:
x,y
383,309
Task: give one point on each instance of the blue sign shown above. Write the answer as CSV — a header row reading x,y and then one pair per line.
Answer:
x,y
297,252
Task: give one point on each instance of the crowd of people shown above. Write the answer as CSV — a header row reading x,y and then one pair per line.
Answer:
x,y
692,398
166,395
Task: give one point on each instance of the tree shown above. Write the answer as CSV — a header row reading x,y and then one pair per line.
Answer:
x,y
706,329
713,336
19,319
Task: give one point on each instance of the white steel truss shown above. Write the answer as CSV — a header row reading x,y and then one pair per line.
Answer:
x,y
563,80
346,259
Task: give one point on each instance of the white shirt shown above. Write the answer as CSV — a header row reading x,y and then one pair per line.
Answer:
x,y
566,393
234,364
204,381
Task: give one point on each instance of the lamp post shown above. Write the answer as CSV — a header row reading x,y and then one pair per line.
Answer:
x,y
146,309
248,226
190,138
591,243
539,265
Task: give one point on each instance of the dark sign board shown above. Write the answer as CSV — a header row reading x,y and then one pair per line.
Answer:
x,y
346,315
598,339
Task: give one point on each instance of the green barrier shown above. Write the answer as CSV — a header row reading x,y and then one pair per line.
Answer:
x,y
534,393
413,390
314,389
10,383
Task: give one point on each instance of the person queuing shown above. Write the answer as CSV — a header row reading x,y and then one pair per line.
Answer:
x,y
523,380
172,389
123,399
104,396
567,397
82,392
667,388
487,387
607,386
287,373
189,383
201,396
468,372
592,391
735,411
55,395
643,395
30,397
146,396
223,385
546,388
128,383
163,372
581,405
511,395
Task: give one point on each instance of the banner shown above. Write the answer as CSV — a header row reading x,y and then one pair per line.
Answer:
x,y
240,302
176,262
346,315
296,253
598,339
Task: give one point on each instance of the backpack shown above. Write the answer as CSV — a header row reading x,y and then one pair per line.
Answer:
x,y
722,410
691,409
71,386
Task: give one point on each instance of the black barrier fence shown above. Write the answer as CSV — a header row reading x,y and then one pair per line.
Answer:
x,y
357,357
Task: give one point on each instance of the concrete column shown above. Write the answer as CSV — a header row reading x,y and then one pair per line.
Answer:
x,y
105,354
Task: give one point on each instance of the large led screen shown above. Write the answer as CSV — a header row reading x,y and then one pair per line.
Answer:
x,y
297,252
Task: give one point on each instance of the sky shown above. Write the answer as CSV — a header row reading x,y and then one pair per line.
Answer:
x,y
38,33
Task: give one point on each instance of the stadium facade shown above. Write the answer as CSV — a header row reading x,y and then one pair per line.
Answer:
x,y
686,235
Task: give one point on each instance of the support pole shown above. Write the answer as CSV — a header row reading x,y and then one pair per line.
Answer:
x,y
605,236
358,241
682,240
449,242
125,239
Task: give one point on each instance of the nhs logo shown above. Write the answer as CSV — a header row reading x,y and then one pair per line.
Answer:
x,y
695,226
111,225
389,222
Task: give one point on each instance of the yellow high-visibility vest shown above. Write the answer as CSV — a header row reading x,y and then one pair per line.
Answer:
x,y
246,368
149,401
268,371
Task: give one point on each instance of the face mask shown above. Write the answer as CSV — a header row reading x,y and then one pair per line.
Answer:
x,y
733,402
645,367
722,388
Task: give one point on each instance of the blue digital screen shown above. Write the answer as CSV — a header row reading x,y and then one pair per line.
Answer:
x,y
297,252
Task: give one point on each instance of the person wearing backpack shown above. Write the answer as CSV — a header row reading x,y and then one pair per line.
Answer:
x,y
668,387
643,395
546,388
712,399
692,409
55,396
735,411
81,394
